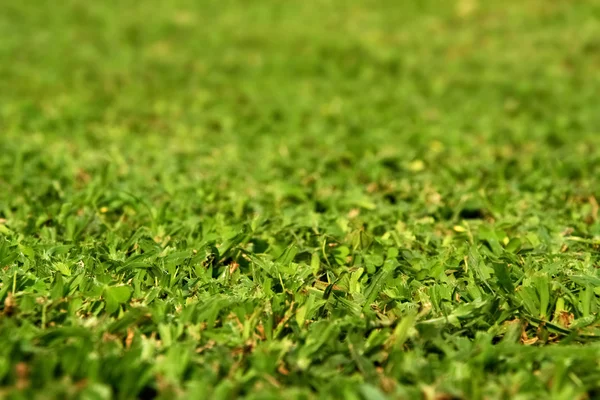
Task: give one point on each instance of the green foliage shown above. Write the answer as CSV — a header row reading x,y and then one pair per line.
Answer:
x,y
319,199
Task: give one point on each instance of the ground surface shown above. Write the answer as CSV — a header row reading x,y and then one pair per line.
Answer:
x,y
360,199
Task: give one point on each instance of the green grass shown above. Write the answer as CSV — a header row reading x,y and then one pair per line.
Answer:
x,y
300,199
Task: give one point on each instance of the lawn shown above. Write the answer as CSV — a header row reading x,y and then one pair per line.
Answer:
x,y
273,199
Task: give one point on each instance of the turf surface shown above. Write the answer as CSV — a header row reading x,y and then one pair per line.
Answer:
x,y
300,199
